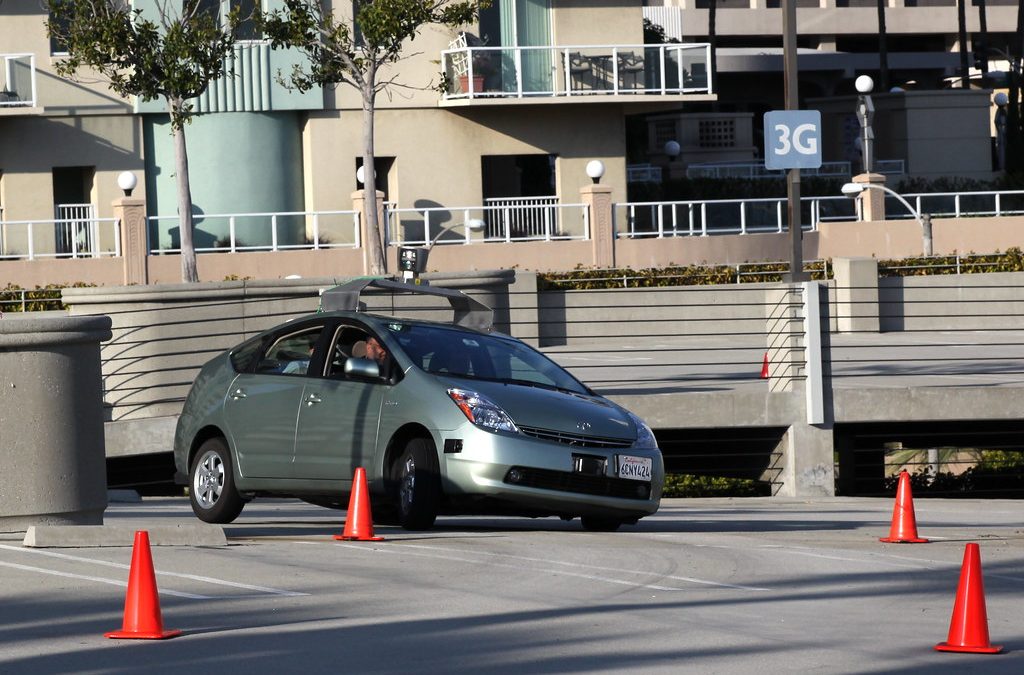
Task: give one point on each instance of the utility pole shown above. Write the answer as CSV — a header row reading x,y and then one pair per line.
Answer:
x,y
796,258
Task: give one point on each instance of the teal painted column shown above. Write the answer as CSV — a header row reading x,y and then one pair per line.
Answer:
x,y
247,162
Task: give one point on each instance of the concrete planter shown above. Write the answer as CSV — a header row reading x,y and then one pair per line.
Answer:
x,y
52,460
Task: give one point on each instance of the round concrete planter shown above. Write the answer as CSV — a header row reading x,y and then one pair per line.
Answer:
x,y
52,461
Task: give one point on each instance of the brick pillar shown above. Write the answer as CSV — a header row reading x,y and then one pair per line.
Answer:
x,y
598,200
872,201
359,204
131,213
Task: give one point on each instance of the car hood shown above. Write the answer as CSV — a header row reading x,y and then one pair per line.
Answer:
x,y
553,410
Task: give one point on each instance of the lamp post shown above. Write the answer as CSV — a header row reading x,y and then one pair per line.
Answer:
x,y
853,190
866,115
127,181
412,260
672,150
595,169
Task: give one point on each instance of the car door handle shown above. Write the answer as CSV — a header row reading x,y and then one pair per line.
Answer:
x,y
313,399
238,394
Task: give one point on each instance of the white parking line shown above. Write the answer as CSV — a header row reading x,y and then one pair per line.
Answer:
x,y
122,584
403,549
121,566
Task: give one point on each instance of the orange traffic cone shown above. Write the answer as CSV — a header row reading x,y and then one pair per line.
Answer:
x,y
764,367
142,604
904,524
359,522
968,628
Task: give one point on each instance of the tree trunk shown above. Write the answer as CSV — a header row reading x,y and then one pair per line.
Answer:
x,y
378,263
189,272
961,21
883,49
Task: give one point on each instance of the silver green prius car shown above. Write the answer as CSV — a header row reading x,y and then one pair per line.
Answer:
x,y
444,419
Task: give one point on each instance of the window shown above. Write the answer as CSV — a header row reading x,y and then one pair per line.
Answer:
x,y
246,29
290,354
60,26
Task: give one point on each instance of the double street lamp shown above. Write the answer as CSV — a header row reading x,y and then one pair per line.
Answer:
x,y
854,190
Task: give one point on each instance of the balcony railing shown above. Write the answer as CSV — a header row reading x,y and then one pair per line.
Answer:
x,y
17,81
889,167
585,70
75,237
543,219
281,231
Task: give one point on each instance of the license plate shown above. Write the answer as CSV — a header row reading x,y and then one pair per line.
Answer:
x,y
634,468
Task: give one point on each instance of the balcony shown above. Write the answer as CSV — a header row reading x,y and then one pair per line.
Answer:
x,y
489,75
17,81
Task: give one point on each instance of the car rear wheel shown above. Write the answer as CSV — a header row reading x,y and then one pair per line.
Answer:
x,y
599,524
212,484
417,485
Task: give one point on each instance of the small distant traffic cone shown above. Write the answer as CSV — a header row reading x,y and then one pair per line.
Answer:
x,y
968,627
764,367
142,604
904,524
359,521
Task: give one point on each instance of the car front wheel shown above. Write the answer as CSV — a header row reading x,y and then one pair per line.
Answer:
x,y
212,484
417,485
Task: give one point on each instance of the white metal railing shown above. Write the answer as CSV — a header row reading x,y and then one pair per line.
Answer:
x,y
643,173
579,70
505,223
530,217
889,167
77,230
746,216
17,80
723,216
267,231
60,238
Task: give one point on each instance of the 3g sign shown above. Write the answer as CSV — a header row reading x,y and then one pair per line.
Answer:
x,y
792,139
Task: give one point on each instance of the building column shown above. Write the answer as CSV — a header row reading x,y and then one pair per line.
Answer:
x,y
857,309
872,202
597,199
130,212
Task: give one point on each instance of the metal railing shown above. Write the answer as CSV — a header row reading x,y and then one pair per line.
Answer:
x,y
546,220
60,238
723,216
576,70
530,217
17,80
269,231
889,167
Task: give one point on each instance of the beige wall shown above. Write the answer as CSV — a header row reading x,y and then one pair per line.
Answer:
x,y
22,30
438,151
597,22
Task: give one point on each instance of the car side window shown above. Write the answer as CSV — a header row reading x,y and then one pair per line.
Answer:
x,y
290,354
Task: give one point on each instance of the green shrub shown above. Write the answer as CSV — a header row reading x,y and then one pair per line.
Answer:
x,y
685,485
40,299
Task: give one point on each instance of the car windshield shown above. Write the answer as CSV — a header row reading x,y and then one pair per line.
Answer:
x,y
448,351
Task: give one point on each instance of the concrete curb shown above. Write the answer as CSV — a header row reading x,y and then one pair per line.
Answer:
x,y
86,536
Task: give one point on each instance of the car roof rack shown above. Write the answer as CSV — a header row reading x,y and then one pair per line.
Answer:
x,y
469,313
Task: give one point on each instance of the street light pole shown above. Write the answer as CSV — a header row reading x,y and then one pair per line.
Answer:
x,y
789,47
852,190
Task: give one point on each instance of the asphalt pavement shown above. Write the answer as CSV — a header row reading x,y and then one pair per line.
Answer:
x,y
704,586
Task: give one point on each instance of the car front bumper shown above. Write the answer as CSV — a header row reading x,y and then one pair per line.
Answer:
x,y
545,476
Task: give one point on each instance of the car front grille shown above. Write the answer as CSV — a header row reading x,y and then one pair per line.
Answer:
x,y
564,481
575,440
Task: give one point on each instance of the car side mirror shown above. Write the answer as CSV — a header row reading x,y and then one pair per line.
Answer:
x,y
362,368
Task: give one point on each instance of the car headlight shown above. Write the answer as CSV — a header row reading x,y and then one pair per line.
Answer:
x,y
644,436
482,411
